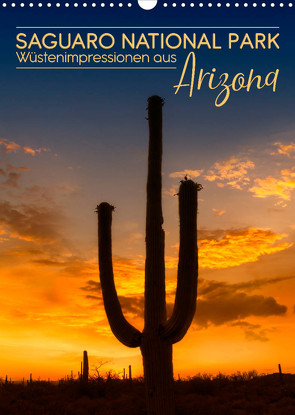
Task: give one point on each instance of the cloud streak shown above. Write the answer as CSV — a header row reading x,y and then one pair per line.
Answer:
x,y
33,152
278,187
9,146
230,248
283,149
253,332
217,212
31,223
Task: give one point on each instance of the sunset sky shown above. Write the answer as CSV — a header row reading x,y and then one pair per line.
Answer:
x,y
72,139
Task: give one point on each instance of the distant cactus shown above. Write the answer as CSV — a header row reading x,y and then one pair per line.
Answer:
x,y
159,334
85,367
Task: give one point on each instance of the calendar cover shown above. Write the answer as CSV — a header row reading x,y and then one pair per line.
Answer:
x,y
147,220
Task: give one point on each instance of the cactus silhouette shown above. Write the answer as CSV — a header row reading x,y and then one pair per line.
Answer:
x,y
85,367
159,334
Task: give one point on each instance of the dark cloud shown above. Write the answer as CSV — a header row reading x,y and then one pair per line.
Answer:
x,y
256,336
221,309
245,324
254,284
209,286
12,180
48,262
72,265
12,175
215,234
132,305
220,302
31,222
39,230
252,331
214,310
79,267
10,167
93,297
94,286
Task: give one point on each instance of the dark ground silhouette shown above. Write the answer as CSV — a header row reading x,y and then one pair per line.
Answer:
x,y
239,394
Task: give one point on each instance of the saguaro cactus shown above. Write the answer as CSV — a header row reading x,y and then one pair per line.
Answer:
x,y
85,367
159,334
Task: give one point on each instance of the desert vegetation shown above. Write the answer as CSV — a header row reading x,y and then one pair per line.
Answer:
x,y
238,394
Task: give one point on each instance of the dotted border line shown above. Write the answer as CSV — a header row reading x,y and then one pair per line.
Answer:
x,y
93,5
66,5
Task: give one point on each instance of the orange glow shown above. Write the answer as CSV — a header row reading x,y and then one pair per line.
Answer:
x,y
236,248
270,186
51,300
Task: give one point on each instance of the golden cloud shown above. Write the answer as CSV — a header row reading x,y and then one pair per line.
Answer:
x,y
271,186
232,172
12,147
236,247
33,152
284,149
218,212
230,248
9,146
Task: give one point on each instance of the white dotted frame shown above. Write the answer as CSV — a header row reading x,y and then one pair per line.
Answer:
x,y
121,4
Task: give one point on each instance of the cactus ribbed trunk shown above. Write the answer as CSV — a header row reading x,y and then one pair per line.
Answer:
x,y
158,374
156,351
159,334
85,367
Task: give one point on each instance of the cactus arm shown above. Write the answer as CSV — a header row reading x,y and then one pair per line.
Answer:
x,y
155,306
125,332
186,293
